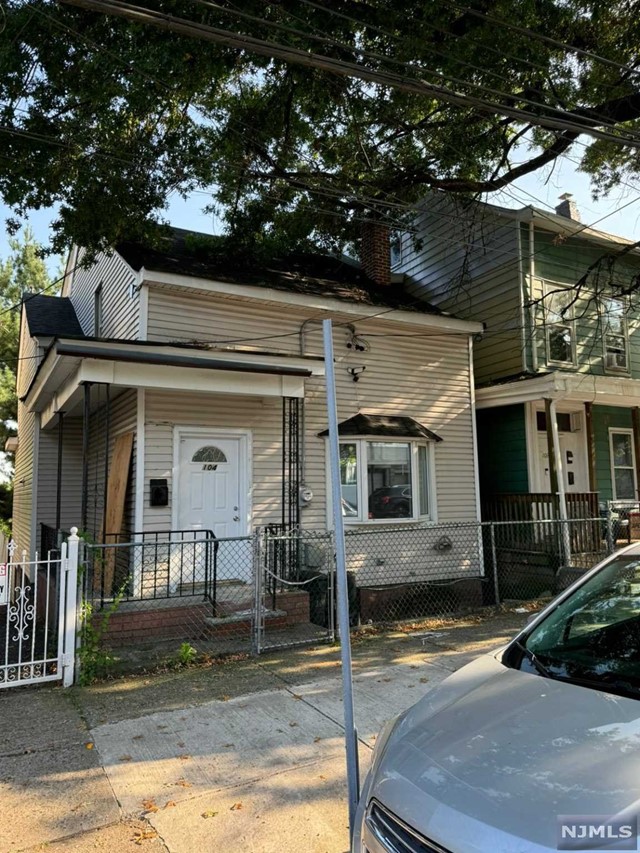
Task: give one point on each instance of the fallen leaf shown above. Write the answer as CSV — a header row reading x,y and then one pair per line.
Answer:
x,y
125,758
182,783
181,744
293,724
88,745
141,835
229,745
137,737
413,666
225,697
295,696
322,777
184,757
423,680
170,804
386,680
236,807
209,813
149,806
317,739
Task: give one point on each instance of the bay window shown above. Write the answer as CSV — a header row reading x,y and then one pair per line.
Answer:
x,y
385,480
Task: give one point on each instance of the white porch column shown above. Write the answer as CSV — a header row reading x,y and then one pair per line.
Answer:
x,y
562,496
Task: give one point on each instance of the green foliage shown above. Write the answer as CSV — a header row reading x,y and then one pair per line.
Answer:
x,y
109,117
23,272
6,505
185,656
96,661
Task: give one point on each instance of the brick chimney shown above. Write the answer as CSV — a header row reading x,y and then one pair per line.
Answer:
x,y
568,208
375,252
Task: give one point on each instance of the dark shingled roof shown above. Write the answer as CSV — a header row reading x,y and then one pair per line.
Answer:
x,y
384,425
185,253
51,316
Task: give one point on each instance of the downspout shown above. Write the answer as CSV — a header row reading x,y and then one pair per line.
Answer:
x,y
59,473
532,316
474,430
303,436
523,310
562,496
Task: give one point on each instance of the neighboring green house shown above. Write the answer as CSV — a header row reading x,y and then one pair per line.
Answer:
x,y
557,372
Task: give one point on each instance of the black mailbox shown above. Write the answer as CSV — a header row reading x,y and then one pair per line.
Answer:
x,y
159,493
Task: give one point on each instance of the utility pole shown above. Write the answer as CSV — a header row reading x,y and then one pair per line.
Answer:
x,y
350,733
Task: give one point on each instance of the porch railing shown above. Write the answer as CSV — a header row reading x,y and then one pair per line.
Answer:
x,y
539,506
154,565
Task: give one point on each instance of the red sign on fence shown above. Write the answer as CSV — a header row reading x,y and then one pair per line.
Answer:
x,y
4,584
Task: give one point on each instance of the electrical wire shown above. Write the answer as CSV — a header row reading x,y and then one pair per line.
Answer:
x,y
275,50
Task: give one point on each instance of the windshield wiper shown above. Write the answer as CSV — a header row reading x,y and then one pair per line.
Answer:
x,y
539,667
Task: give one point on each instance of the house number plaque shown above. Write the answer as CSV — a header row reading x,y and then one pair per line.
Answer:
x,y
209,467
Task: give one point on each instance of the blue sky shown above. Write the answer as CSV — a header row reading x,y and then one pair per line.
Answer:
x,y
540,189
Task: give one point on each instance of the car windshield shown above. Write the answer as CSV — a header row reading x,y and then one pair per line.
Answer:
x,y
591,638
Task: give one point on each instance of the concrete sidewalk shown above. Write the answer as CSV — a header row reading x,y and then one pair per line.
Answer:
x,y
242,756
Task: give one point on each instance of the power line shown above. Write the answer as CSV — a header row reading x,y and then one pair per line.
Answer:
x,y
606,120
572,123
540,37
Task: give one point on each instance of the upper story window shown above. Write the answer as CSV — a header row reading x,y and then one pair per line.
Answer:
x,y
386,480
615,336
97,311
395,248
560,326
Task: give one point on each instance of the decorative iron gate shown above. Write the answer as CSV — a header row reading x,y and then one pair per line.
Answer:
x,y
38,616
294,588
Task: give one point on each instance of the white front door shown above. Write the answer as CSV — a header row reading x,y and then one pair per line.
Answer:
x,y
573,462
212,494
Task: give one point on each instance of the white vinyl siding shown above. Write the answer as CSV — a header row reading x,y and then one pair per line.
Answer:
x,y
465,262
120,301
424,377
23,489
71,476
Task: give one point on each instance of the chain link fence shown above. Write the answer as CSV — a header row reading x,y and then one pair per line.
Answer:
x,y
295,589
161,590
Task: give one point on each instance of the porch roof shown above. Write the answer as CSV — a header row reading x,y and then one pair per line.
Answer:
x,y
570,387
70,363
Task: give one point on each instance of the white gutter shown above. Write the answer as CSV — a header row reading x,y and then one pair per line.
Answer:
x,y
474,432
531,310
523,320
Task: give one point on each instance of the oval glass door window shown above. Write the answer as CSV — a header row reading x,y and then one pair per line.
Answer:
x,y
209,453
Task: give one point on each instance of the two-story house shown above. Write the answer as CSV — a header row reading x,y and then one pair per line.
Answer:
x,y
166,392
558,366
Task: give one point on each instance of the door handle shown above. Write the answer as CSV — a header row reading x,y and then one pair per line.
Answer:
x,y
236,518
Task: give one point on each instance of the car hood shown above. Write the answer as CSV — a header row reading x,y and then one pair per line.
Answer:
x,y
491,758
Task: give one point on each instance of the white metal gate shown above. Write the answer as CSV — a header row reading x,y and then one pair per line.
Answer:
x,y
38,616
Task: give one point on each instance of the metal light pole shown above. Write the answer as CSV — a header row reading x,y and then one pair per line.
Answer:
x,y
350,734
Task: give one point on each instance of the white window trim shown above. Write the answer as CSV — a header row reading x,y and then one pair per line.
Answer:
x,y
617,371
414,443
551,288
629,432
